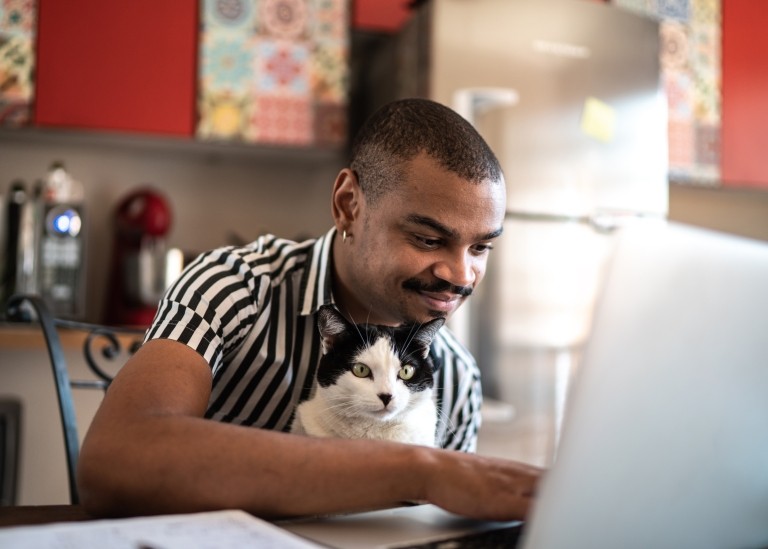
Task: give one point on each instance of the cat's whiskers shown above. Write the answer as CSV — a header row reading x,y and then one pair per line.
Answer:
x,y
349,409
366,341
444,419
343,402
408,355
411,334
343,409
350,406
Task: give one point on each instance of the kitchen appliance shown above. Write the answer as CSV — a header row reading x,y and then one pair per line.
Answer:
x,y
44,242
53,225
568,95
142,222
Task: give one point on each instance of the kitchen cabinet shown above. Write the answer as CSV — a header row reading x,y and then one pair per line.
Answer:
x,y
380,15
266,72
134,66
124,66
744,89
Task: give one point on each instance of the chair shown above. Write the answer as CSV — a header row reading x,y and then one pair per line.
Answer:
x,y
114,342
10,419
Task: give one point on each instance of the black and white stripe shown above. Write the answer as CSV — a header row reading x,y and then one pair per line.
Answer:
x,y
251,313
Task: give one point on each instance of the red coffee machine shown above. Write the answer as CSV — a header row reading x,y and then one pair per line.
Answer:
x,y
142,221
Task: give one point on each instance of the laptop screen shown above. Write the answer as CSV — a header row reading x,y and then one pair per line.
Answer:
x,y
665,436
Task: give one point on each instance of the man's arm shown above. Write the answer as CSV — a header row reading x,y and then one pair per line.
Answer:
x,y
149,450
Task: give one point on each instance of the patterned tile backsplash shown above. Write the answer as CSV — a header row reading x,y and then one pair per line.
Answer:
x,y
690,34
274,71
17,60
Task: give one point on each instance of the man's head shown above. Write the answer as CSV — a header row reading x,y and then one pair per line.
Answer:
x,y
417,210
401,130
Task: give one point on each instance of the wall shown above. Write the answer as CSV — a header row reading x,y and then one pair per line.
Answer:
x,y
214,194
738,211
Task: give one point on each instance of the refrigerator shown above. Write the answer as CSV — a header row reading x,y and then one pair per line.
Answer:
x,y
569,96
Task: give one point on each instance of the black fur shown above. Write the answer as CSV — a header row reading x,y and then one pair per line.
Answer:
x,y
342,341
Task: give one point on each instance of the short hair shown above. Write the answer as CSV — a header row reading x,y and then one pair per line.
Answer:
x,y
401,130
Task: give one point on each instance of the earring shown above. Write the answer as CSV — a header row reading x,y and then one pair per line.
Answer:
x,y
344,235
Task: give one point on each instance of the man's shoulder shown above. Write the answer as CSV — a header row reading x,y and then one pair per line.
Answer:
x,y
267,253
269,245
446,347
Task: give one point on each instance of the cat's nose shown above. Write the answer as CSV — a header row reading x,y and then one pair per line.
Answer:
x,y
385,398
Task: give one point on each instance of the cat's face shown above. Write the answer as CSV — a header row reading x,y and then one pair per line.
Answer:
x,y
375,371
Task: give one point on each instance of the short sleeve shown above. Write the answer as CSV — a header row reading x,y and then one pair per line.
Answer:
x,y
210,307
459,394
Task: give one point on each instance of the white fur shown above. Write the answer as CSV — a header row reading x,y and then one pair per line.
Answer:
x,y
351,408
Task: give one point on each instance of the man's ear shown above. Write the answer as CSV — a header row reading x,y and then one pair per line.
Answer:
x,y
346,199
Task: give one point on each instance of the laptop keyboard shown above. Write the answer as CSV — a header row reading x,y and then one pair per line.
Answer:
x,y
499,538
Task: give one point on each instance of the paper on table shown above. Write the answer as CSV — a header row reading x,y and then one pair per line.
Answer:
x,y
209,530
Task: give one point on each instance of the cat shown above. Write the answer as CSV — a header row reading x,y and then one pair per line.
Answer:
x,y
372,382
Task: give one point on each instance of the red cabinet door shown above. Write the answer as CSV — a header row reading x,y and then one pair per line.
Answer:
x,y
744,161
124,65
380,15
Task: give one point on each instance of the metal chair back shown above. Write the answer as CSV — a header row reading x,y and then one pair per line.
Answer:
x,y
101,344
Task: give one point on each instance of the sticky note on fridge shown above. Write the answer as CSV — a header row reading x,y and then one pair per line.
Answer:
x,y
598,120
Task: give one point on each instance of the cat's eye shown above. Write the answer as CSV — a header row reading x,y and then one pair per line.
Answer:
x,y
361,370
406,372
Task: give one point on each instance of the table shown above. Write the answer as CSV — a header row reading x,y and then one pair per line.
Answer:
x,y
385,527
41,514
60,526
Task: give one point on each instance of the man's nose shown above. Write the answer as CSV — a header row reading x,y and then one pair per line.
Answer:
x,y
457,268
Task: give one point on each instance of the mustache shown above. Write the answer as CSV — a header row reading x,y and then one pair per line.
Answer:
x,y
438,286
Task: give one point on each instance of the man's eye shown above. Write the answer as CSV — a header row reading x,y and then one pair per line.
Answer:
x,y
427,242
482,248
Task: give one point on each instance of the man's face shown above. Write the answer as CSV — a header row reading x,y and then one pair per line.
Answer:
x,y
422,248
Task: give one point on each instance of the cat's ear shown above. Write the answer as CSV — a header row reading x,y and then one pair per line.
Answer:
x,y
426,333
331,325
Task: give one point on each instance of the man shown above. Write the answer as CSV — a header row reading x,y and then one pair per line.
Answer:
x,y
197,417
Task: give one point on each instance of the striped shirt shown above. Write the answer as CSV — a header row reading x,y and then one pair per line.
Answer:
x,y
250,312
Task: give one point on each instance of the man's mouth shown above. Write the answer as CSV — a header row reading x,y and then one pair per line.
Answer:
x,y
439,287
440,297
443,302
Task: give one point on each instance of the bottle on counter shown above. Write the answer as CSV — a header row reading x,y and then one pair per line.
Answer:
x,y
29,243
14,205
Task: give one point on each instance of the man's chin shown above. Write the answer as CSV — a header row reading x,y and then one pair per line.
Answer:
x,y
426,315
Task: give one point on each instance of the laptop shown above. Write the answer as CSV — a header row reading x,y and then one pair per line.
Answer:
x,y
665,436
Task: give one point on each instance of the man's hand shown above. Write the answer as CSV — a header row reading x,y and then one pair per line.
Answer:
x,y
481,487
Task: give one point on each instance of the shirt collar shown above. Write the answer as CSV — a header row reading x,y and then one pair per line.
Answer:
x,y
316,284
